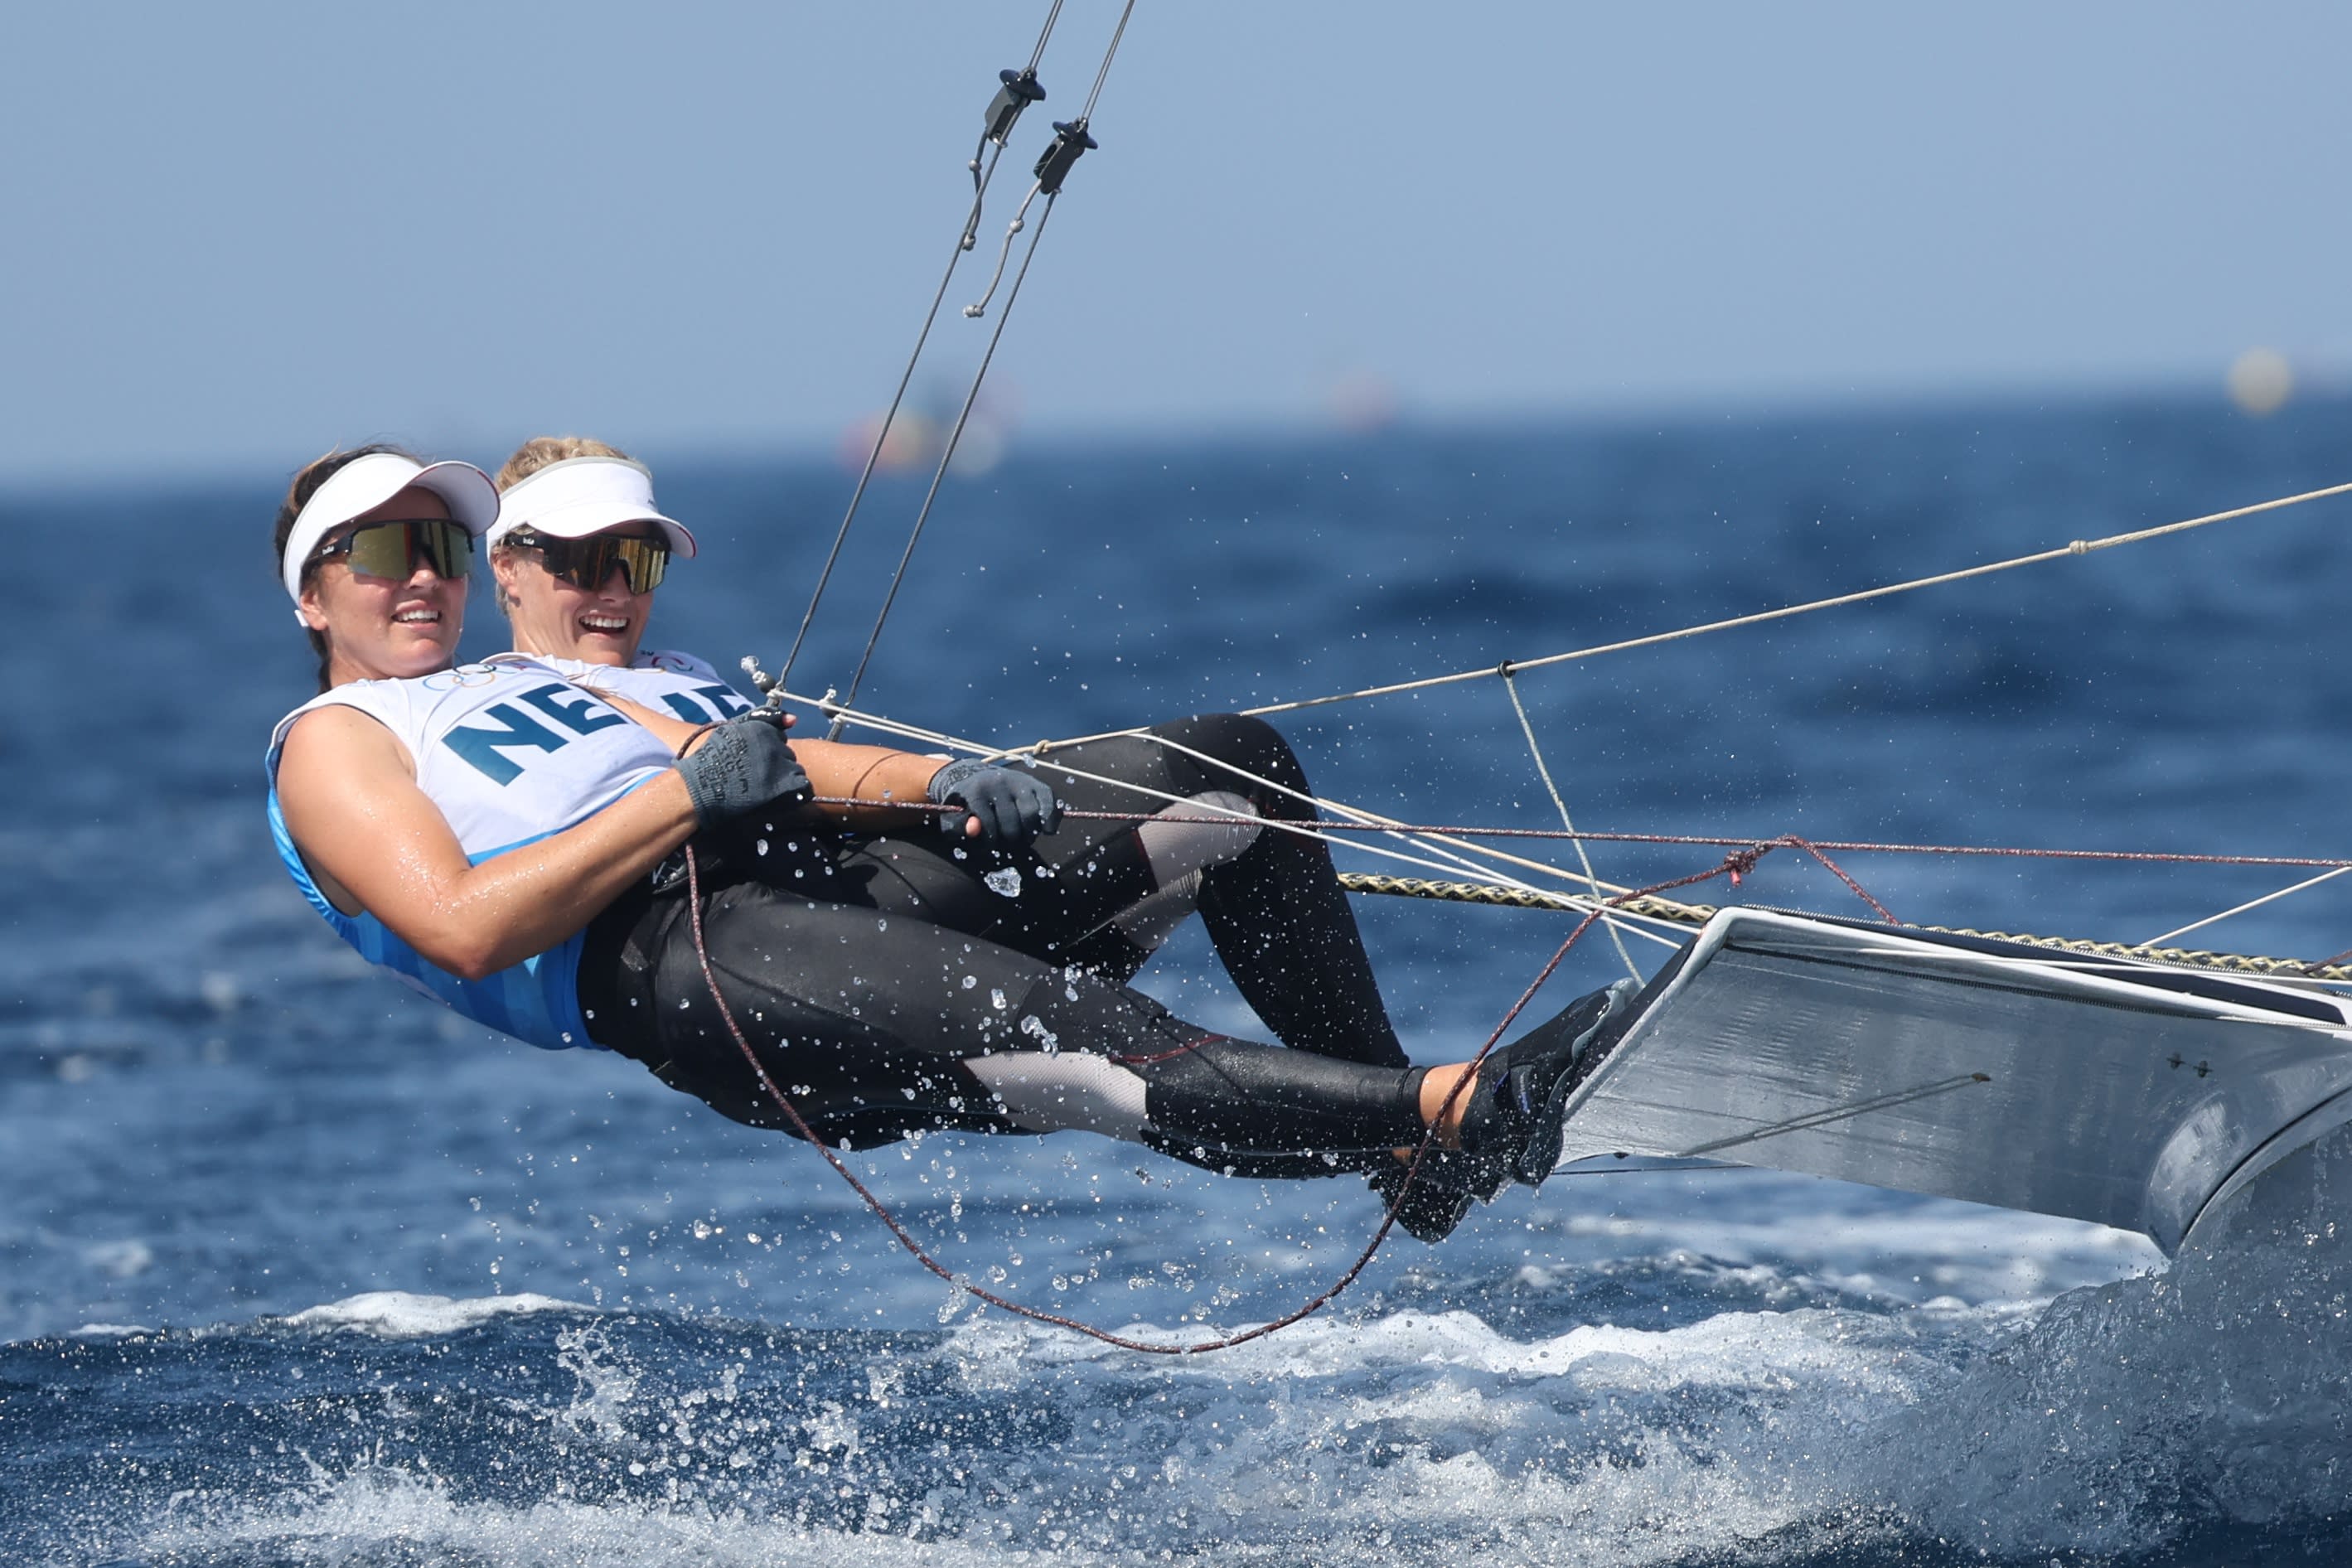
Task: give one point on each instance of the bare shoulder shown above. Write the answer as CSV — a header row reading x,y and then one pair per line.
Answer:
x,y
347,789
339,747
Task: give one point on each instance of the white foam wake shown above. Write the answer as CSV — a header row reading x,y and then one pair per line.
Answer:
x,y
402,1314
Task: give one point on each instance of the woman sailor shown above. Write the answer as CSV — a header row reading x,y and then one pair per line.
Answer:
x,y
491,832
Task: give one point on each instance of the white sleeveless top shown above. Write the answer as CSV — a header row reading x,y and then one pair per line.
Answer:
x,y
675,682
510,753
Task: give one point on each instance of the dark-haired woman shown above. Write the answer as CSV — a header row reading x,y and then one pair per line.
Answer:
x,y
492,832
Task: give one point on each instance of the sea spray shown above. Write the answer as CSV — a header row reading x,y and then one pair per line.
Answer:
x,y
2126,1413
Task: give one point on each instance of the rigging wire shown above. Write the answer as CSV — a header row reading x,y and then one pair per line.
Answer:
x,y
1018,90
1731,863
1505,891
1071,140
1501,890
2250,904
1358,819
939,476
1103,71
1363,821
1592,877
1786,612
1459,861
1486,892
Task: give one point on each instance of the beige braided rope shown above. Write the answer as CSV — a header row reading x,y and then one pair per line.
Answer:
x,y
1698,914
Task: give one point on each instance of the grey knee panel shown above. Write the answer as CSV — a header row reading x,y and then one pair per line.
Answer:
x,y
1064,1091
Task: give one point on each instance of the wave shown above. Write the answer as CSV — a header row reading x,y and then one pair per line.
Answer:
x,y
402,1314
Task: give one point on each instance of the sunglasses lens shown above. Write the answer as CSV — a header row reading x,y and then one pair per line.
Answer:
x,y
448,546
644,559
392,548
381,551
588,562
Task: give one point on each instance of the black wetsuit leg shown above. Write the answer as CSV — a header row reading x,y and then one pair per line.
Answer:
x,y
1281,926
863,1017
864,968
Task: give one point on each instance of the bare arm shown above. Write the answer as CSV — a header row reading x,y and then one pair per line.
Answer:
x,y
875,775
869,774
374,842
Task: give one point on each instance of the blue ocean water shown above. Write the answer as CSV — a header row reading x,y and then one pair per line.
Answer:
x,y
295,1268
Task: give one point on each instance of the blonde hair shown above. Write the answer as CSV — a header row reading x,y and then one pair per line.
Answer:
x,y
540,451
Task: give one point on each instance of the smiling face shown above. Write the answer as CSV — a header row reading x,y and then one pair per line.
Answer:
x,y
554,617
385,627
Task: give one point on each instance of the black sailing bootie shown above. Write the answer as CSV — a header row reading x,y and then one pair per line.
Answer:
x,y
1511,1129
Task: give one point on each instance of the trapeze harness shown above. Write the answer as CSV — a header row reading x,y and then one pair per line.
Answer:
x,y
894,983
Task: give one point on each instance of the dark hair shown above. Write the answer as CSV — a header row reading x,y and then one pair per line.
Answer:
x,y
297,495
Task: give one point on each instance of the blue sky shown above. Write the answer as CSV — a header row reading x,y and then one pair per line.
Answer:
x,y
239,234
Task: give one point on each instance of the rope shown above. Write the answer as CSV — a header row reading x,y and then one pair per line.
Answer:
x,y
1734,865
1843,845
1699,914
1363,821
1510,892
1004,253
2078,547
1305,830
1503,887
1038,1314
1836,1113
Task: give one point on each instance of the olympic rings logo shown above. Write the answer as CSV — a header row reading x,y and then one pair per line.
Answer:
x,y
463,677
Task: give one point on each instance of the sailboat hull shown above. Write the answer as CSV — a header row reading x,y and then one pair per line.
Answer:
x,y
2127,1095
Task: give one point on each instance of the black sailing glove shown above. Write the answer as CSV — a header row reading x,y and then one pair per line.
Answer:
x,y
1011,806
741,766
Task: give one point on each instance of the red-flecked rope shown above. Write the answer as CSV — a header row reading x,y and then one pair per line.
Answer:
x,y
1816,846
1736,864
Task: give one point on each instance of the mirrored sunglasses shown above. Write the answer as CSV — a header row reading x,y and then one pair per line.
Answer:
x,y
394,549
588,562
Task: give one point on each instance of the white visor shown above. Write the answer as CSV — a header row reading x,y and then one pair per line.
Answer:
x,y
581,496
363,484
